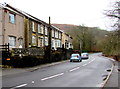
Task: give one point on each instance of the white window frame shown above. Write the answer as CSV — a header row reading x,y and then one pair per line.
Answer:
x,y
60,35
12,18
41,40
12,41
53,33
53,43
46,41
46,31
33,40
39,26
33,26
56,34
41,29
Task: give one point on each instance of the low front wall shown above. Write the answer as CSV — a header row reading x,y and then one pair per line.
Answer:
x,y
28,51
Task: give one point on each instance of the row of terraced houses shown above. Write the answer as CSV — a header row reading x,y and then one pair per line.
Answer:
x,y
22,30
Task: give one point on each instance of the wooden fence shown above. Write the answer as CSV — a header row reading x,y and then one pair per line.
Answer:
x,y
4,53
4,50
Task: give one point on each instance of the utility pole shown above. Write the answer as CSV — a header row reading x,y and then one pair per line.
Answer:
x,y
49,40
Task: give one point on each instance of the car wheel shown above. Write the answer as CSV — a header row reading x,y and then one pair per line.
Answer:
x,y
80,60
70,60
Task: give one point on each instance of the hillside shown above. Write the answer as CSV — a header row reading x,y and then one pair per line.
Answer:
x,y
92,37
65,27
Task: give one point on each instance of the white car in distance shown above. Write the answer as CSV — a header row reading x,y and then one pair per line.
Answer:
x,y
84,55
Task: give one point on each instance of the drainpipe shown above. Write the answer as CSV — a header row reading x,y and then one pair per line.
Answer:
x,y
3,26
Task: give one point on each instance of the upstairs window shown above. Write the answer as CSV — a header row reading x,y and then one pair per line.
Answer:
x,y
53,33
56,34
60,35
12,18
41,29
38,28
46,31
33,26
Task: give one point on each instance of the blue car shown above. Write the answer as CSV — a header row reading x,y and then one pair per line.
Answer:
x,y
75,57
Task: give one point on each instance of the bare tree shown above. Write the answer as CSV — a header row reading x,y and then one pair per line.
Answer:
x,y
114,13
114,39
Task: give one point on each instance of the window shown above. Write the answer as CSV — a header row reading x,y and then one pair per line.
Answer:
x,y
33,26
34,40
20,42
41,29
46,31
38,28
53,43
56,43
56,34
59,43
53,33
40,42
12,41
59,35
12,18
46,41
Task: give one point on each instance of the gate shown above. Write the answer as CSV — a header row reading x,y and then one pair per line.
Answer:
x,y
4,53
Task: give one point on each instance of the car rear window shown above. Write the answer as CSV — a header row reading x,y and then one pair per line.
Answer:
x,y
74,55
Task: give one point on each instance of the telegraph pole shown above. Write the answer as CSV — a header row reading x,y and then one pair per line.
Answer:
x,y
49,40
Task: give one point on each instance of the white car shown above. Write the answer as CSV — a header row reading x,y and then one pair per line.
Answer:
x,y
84,55
75,57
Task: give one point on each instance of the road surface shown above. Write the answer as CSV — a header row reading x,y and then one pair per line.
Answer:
x,y
88,73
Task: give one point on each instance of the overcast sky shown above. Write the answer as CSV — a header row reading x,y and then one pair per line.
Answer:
x,y
77,12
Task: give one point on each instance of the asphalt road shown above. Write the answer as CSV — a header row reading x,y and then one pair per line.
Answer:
x,y
88,73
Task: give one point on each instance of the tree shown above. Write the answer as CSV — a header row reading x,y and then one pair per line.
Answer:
x,y
112,46
114,13
82,38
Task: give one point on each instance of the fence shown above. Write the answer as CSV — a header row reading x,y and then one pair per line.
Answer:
x,y
28,51
4,47
4,53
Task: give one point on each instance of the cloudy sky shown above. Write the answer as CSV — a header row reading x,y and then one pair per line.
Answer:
x,y
77,12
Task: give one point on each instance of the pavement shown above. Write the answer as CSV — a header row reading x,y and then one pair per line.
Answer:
x,y
114,82
11,71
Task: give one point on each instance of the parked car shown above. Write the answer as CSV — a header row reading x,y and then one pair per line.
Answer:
x,y
75,57
84,55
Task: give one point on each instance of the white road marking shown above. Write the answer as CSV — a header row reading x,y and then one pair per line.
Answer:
x,y
33,81
52,76
19,86
63,73
82,65
74,69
